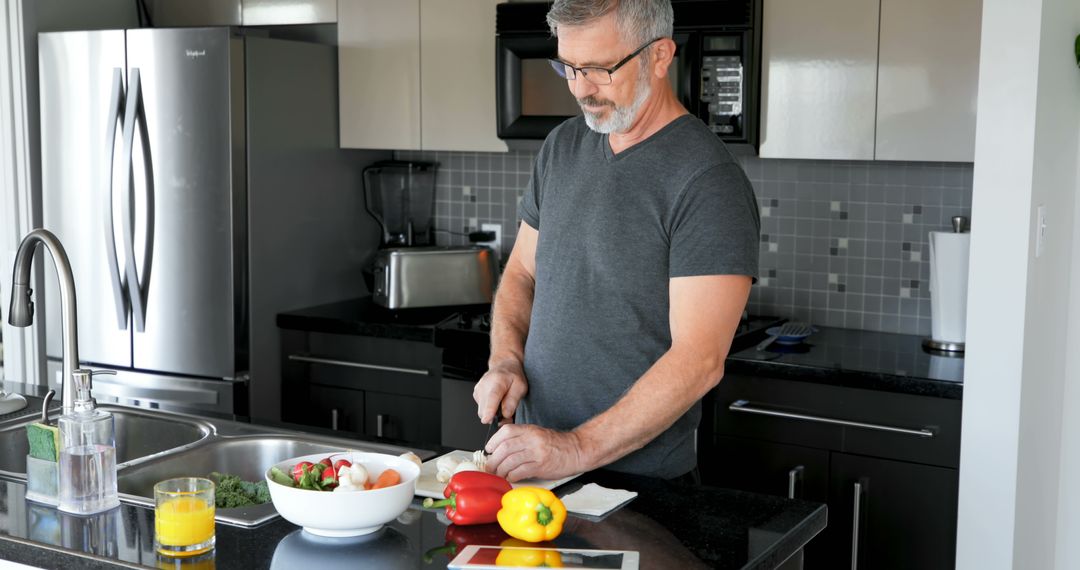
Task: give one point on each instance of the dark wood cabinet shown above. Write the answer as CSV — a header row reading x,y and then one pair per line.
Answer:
x,y
898,452
905,514
363,385
791,471
401,417
335,408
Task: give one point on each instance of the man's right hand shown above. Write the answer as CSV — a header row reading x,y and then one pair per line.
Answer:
x,y
504,385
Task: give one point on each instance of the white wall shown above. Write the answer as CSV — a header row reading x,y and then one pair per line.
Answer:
x,y
1018,318
1068,547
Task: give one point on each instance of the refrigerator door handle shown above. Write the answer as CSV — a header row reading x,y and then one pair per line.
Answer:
x,y
119,283
142,287
136,287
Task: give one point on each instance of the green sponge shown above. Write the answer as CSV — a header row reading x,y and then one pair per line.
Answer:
x,y
44,441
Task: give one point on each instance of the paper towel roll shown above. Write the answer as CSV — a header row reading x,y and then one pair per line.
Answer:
x,y
948,285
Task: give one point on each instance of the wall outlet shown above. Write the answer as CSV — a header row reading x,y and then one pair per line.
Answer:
x,y
495,244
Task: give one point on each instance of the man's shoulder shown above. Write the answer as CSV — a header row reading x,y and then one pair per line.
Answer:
x,y
692,141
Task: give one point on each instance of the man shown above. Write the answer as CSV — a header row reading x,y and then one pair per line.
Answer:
x,y
632,264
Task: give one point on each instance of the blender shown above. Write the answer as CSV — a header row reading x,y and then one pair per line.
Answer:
x,y
400,195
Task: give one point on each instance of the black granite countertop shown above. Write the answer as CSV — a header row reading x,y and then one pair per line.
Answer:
x,y
858,359
672,526
363,317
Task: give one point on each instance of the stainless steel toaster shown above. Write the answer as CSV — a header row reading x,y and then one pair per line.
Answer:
x,y
411,277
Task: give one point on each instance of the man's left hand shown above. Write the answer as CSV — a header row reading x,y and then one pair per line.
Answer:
x,y
521,451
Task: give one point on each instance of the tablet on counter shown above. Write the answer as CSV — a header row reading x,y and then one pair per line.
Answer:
x,y
477,557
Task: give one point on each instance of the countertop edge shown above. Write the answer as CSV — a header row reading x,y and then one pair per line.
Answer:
x,y
29,552
850,378
793,541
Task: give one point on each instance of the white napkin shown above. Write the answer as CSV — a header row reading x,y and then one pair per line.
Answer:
x,y
594,500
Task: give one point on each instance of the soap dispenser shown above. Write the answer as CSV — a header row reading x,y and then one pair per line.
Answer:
x,y
87,453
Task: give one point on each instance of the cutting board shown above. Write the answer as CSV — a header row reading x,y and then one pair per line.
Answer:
x,y
428,486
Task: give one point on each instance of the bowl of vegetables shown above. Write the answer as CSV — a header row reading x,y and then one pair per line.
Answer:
x,y
351,493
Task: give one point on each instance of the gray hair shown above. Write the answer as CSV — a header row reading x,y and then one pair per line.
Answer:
x,y
638,21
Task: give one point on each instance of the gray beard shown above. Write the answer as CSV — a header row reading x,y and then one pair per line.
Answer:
x,y
619,119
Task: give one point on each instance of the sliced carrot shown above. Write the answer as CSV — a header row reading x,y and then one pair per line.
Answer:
x,y
387,478
368,486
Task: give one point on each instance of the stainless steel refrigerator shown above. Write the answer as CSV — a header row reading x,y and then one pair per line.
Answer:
x,y
193,174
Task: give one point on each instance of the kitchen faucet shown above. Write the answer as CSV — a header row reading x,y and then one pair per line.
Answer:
x,y
21,313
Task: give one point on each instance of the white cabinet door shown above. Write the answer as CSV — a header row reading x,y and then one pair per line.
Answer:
x,y
379,73
457,75
819,79
928,79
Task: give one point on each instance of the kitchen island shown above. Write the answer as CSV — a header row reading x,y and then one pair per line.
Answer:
x,y
671,525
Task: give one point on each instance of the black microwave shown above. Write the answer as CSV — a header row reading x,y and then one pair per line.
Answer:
x,y
716,73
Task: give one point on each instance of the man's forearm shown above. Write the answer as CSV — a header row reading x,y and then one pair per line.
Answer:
x,y
511,314
663,394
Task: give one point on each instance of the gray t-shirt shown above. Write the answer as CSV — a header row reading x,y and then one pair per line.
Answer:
x,y
613,229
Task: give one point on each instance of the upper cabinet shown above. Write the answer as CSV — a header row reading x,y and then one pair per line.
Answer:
x,y
928,77
870,79
186,13
417,74
819,67
379,73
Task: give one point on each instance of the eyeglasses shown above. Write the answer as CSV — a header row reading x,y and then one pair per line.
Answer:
x,y
595,75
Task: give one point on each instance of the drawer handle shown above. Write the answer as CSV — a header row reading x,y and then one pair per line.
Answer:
x,y
744,406
349,364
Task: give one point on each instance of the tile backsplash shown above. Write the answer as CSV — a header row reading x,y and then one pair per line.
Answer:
x,y
843,243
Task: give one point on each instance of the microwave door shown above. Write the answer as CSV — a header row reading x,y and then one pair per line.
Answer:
x,y
531,98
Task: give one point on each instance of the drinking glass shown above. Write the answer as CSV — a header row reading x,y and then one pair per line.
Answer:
x,y
184,516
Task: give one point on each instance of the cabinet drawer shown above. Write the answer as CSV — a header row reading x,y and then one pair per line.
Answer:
x,y
395,353
883,424
401,417
367,363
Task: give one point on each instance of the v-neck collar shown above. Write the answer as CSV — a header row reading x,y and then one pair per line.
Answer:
x,y
612,157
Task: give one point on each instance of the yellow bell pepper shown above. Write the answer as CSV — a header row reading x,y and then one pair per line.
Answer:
x,y
521,556
532,514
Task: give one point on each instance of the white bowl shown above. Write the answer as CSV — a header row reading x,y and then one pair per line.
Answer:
x,y
346,513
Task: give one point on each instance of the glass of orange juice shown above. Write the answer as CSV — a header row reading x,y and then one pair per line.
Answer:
x,y
184,516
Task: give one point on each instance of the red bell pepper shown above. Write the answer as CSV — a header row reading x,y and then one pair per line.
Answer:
x,y
458,537
472,497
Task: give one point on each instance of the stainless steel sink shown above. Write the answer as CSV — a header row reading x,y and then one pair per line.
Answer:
x,y
153,446
139,434
247,457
